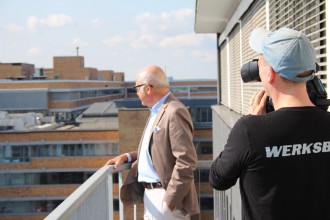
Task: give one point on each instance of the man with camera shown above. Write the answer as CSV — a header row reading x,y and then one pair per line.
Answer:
x,y
282,158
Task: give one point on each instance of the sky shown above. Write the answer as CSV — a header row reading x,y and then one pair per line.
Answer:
x,y
118,35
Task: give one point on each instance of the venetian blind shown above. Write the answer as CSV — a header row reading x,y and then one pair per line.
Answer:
x,y
235,68
224,75
255,17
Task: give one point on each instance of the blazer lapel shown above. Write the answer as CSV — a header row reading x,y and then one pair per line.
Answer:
x,y
160,114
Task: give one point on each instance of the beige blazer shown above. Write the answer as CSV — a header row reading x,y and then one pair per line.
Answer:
x,y
174,158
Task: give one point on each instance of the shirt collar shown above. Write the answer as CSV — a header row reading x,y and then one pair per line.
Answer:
x,y
157,106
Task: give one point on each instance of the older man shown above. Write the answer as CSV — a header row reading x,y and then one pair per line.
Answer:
x,y
165,161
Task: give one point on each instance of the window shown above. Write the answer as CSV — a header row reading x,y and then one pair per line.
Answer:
x,y
115,178
16,179
206,203
179,89
201,175
2,179
105,149
64,96
19,207
103,92
131,91
2,154
23,153
204,147
72,150
201,114
43,150
201,89
116,204
19,154
20,179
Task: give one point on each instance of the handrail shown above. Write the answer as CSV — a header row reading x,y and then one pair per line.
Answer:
x,y
93,198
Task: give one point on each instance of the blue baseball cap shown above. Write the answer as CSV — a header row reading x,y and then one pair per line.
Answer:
x,y
287,51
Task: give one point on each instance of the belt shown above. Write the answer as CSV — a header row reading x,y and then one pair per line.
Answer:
x,y
151,185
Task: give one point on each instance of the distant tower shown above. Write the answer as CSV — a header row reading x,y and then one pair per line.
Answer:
x,y
77,51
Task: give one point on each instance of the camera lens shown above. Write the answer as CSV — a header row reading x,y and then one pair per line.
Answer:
x,y
250,71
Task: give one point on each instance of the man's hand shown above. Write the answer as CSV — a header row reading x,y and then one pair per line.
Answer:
x,y
257,105
170,207
117,160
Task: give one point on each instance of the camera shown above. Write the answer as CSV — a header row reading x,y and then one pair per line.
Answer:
x,y
315,89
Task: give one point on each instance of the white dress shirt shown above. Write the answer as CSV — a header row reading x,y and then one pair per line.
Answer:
x,y
146,170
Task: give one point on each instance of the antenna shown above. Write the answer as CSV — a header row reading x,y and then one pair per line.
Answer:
x,y
77,51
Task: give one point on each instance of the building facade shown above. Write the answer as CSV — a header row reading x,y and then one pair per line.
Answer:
x,y
63,99
16,71
55,133
39,169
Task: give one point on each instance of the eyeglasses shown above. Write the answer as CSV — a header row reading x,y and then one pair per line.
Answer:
x,y
137,88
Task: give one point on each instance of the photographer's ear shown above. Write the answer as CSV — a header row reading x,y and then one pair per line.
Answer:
x,y
270,74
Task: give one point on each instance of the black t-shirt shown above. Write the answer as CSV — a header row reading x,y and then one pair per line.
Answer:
x,y
283,162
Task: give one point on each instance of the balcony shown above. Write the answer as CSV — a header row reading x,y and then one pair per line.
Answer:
x,y
94,198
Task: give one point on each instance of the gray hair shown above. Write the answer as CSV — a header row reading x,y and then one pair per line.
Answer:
x,y
154,76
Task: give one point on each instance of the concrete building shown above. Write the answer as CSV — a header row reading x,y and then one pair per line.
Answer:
x,y
232,22
42,163
63,99
54,134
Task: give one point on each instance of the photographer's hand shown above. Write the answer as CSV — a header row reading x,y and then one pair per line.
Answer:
x,y
257,105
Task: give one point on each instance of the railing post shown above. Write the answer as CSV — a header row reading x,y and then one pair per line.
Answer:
x,y
134,212
81,203
121,206
110,196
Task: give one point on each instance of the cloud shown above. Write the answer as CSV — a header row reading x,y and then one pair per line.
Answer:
x,y
113,41
142,41
183,40
58,20
205,55
12,28
177,20
154,29
34,51
147,20
78,42
96,24
181,16
33,23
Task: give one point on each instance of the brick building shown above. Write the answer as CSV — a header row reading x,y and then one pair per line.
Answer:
x,y
40,167
63,99
47,151
16,71
64,68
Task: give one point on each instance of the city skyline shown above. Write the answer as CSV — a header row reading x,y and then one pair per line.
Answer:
x,y
123,36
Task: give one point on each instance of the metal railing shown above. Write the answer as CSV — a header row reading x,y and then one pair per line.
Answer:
x,y
93,199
